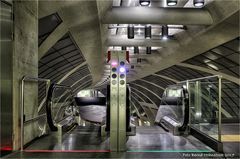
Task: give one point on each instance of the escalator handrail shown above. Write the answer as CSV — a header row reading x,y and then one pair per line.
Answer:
x,y
52,87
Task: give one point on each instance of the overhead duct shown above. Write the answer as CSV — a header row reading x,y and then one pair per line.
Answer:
x,y
150,15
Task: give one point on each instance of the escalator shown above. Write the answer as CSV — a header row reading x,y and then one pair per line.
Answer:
x,y
173,112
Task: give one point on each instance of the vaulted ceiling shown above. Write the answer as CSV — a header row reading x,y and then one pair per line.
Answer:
x,y
74,37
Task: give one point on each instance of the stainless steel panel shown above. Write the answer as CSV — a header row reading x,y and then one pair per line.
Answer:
x,y
6,23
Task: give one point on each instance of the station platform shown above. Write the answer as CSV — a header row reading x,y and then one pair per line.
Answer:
x,y
85,142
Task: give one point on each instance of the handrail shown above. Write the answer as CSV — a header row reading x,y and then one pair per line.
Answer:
x,y
201,78
50,121
32,79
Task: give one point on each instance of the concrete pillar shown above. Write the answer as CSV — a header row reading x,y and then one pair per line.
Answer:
x,y
25,62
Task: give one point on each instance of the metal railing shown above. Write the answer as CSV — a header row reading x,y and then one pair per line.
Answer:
x,y
29,79
219,82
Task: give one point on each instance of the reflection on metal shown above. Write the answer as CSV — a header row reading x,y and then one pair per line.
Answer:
x,y
28,79
152,106
135,108
148,115
198,103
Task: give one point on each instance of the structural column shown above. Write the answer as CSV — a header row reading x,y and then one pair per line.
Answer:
x,y
118,101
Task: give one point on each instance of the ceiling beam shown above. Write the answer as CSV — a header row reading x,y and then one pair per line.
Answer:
x,y
150,15
52,39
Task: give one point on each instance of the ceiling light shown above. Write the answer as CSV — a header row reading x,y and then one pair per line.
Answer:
x,y
122,69
130,31
198,3
164,32
148,50
144,2
136,50
114,63
171,2
148,32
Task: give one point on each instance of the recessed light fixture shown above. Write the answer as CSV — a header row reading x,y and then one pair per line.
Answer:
x,y
130,32
164,32
148,32
171,2
144,2
198,3
148,50
136,50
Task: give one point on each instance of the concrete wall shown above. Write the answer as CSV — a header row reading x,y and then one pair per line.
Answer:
x,y
25,62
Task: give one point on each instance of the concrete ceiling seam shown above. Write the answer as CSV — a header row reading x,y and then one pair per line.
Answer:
x,y
225,76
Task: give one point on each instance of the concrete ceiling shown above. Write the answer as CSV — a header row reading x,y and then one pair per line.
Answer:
x,y
214,24
202,29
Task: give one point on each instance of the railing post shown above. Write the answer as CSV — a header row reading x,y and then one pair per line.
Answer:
x,y
22,113
189,105
26,78
219,108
